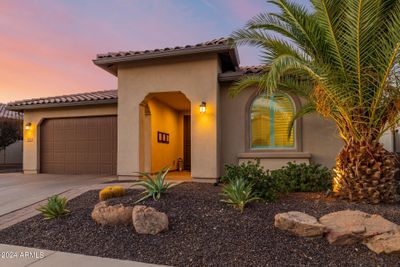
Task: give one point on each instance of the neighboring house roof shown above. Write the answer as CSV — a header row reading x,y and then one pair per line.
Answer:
x,y
7,114
223,47
236,75
89,98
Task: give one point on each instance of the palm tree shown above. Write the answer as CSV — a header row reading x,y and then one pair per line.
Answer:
x,y
342,57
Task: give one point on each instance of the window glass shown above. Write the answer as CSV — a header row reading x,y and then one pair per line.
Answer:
x,y
270,118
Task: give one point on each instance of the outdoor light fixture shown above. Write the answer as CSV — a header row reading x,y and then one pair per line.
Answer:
x,y
28,126
203,107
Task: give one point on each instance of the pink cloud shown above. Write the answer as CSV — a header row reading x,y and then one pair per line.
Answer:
x,y
244,9
47,46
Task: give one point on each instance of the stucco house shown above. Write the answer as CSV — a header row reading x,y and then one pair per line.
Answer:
x,y
171,104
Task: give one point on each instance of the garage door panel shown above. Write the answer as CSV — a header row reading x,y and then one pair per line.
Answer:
x,y
82,133
106,168
93,146
105,158
88,169
106,134
60,157
59,147
79,145
70,168
53,168
47,157
70,156
93,158
47,146
82,146
105,146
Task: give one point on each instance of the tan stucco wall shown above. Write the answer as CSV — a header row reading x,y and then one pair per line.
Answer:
x,y
317,136
197,78
167,120
35,117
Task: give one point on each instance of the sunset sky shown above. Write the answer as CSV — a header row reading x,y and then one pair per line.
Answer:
x,y
47,46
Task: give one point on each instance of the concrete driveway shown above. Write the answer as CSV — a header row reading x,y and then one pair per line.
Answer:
x,y
18,190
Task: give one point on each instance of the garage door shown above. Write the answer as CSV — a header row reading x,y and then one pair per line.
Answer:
x,y
79,145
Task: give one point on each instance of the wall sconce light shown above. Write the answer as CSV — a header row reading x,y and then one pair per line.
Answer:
x,y
28,126
203,107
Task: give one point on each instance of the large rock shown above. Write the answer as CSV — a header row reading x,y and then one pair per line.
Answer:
x,y
388,243
351,226
299,223
147,220
112,215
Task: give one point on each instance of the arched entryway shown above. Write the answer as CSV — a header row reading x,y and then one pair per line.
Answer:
x,y
165,134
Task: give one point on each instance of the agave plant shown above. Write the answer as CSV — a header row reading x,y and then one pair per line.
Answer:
x,y
55,207
238,193
342,56
154,186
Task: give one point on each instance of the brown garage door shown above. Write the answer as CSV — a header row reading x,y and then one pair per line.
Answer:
x,y
79,145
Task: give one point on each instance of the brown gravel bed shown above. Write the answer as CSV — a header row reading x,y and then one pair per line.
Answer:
x,y
203,232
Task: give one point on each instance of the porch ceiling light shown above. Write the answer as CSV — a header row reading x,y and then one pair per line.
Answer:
x,y
28,126
203,107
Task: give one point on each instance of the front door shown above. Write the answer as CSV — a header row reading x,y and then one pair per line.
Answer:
x,y
187,142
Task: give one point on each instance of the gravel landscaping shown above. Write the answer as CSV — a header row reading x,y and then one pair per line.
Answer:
x,y
203,232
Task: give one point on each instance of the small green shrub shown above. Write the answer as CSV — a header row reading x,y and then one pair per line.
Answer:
x,y
264,186
302,178
156,186
238,193
290,178
56,207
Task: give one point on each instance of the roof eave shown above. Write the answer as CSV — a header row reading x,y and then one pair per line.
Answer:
x,y
61,104
106,63
230,76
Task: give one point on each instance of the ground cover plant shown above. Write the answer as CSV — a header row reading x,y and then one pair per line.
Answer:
x,y
55,207
303,177
203,232
154,186
238,193
342,57
264,186
293,177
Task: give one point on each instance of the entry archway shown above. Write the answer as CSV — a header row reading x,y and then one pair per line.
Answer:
x,y
165,134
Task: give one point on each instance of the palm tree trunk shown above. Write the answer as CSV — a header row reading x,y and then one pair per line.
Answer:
x,y
364,172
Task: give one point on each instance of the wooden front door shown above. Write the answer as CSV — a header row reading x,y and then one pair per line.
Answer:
x,y
187,142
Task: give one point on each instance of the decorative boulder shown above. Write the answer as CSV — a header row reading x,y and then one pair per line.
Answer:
x,y
299,223
350,226
147,220
388,243
112,215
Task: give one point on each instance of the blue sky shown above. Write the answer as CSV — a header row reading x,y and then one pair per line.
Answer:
x,y
48,45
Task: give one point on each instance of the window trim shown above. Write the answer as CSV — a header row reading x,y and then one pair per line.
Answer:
x,y
297,127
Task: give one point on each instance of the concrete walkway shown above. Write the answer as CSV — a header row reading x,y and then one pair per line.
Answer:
x,y
23,256
19,190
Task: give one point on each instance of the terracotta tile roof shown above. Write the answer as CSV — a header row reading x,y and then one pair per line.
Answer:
x,y
110,96
98,97
245,70
252,69
215,42
8,114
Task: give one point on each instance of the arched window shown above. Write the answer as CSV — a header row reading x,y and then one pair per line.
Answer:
x,y
270,117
